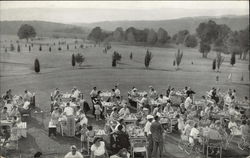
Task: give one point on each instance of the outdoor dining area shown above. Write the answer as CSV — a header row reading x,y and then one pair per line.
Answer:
x,y
208,125
15,109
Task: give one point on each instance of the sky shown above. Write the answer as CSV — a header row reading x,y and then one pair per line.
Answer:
x,y
93,11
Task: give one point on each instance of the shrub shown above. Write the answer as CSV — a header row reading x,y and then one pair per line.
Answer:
x,y
131,56
214,64
113,62
18,48
148,58
219,60
73,60
117,56
178,58
59,48
232,60
37,66
12,48
190,41
79,58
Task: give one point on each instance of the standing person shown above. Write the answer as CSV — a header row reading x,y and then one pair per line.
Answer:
x,y
73,153
122,139
117,92
98,149
148,134
93,93
27,96
157,134
98,111
188,101
168,91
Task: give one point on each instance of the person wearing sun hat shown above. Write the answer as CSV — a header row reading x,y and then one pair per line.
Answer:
x,y
73,153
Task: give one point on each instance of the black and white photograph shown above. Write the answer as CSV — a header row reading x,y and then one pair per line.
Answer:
x,y
124,79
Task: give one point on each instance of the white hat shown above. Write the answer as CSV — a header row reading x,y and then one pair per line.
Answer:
x,y
135,89
150,117
73,147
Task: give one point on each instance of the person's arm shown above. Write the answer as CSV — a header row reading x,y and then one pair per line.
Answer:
x,y
92,154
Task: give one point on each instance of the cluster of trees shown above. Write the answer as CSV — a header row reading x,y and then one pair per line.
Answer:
x,y
222,39
116,57
78,58
131,35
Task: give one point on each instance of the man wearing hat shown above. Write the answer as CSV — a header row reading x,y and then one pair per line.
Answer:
x,y
149,134
73,153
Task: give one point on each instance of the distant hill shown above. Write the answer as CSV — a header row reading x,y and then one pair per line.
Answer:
x,y
173,25
44,28
82,29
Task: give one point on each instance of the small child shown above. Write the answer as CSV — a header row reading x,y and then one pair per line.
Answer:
x,y
90,134
83,135
98,111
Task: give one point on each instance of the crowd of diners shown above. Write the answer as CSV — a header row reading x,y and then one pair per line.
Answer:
x,y
216,115
12,109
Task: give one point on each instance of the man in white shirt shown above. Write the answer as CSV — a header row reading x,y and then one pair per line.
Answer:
x,y
27,96
152,92
194,135
188,102
69,111
93,93
26,105
73,153
76,93
149,134
124,111
117,92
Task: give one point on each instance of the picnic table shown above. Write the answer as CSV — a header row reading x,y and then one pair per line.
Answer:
x,y
130,119
106,94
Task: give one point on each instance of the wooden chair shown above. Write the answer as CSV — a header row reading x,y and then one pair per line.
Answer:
x,y
214,144
139,146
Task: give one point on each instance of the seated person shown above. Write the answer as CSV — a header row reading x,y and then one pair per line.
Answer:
x,y
123,153
245,130
9,106
181,124
73,153
5,134
27,96
8,95
4,114
55,115
193,136
157,111
14,111
90,134
121,122
98,149
124,111
114,114
122,139
162,99
233,127
68,111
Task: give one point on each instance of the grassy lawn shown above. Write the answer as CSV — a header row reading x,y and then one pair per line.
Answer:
x,y
56,71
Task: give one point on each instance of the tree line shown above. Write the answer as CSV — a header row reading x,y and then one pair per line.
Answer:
x,y
146,36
